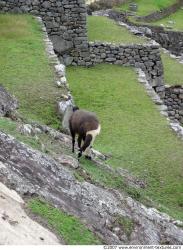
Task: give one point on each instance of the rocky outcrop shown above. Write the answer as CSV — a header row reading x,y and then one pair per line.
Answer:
x,y
15,226
105,211
8,103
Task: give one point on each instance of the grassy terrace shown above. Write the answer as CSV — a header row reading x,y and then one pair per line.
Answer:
x,y
173,70
117,34
147,7
25,70
176,18
133,131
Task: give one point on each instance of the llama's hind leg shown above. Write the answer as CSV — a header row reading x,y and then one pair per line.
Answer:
x,y
73,140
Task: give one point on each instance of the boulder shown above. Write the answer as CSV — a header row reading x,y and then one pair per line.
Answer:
x,y
8,103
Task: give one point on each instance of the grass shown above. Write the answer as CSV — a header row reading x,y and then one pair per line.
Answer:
x,y
132,130
126,224
117,34
25,69
177,17
109,179
147,7
67,227
173,70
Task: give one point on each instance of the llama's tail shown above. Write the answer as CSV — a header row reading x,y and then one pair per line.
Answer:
x,y
75,108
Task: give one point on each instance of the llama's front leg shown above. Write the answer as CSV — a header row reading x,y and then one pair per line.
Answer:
x,y
79,141
88,153
86,146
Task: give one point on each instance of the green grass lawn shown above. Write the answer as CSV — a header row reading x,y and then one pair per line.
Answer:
x,y
25,69
173,70
133,131
146,7
104,29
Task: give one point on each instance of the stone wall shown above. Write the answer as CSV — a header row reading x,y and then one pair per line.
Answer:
x,y
147,57
174,101
65,21
162,13
168,39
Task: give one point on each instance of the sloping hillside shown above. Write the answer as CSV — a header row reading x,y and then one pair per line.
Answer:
x,y
81,203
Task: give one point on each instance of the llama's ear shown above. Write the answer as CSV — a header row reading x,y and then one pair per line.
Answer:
x,y
75,108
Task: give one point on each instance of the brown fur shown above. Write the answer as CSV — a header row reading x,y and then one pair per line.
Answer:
x,y
82,121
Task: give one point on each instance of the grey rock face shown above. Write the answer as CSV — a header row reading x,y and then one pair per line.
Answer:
x,y
30,172
69,161
67,112
8,103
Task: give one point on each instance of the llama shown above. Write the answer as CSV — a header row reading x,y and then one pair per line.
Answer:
x,y
86,125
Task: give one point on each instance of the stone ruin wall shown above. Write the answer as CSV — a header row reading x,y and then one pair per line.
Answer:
x,y
170,40
174,102
146,57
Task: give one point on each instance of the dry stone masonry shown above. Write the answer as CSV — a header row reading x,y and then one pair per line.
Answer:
x,y
147,57
170,40
174,102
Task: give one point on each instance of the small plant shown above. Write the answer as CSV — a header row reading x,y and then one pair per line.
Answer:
x,y
126,224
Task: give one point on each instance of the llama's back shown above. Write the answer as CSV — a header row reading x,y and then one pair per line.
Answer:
x,y
84,120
